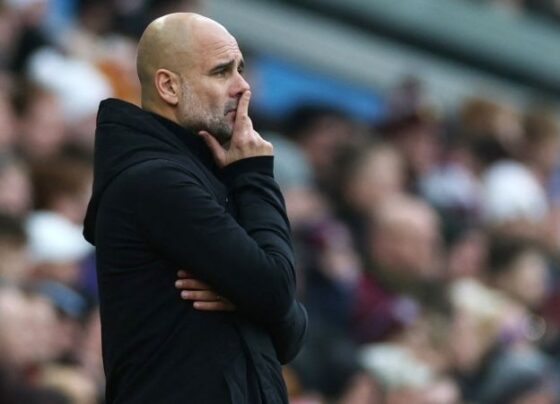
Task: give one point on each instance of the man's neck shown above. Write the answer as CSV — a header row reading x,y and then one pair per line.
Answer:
x,y
159,110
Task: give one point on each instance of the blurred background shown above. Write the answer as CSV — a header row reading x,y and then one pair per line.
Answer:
x,y
418,148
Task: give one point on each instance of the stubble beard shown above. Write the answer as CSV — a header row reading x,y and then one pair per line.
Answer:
x,y
196,118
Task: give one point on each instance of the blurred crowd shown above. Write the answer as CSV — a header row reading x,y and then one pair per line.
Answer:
x,y
427,242
428,250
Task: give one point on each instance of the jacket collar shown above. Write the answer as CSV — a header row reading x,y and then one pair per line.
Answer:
x,y
113,111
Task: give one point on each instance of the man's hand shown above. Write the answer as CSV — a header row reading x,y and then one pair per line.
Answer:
x,y
245,141
203,296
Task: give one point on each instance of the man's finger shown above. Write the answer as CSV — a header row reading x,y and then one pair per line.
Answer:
x,y
200,295
183,274
191,284
214,306
242,108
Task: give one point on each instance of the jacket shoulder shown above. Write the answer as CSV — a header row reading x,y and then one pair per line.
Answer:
x,y
159,170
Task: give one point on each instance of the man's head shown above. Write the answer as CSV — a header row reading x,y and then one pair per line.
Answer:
x,y
190,69
518,267
405,239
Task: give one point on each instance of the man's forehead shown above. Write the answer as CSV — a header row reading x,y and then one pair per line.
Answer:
x,y
216,43
222,46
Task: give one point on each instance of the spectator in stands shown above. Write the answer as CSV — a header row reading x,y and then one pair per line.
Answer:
x,y
41,123
467,253
15,186
78,91
518,267
8,127
404,269
483,119
62,184
56,248
10,26
367,175
514,202
331,269
489,334
404,378
541,144
417,136
540,155
70,381
26,330
14,264
320,131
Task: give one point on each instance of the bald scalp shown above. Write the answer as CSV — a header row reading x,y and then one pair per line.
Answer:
x,y
401,209
169,42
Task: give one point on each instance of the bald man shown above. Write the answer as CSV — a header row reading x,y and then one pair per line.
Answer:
x,y
185,182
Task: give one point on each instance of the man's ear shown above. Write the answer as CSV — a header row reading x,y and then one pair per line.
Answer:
x,y
167,86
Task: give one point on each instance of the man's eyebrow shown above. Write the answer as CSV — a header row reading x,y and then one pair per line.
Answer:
x,y
222,66
227,66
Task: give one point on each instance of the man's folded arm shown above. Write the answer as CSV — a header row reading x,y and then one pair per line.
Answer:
x,y
252,266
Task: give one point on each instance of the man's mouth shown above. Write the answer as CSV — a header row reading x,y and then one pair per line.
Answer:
x,y
231,107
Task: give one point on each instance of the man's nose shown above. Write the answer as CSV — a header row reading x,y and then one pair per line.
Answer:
x,y
241,85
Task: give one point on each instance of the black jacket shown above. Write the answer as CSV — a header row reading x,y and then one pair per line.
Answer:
x,y
159,204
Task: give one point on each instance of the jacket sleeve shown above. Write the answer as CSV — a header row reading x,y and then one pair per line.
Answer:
x,y
287,334
248,260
